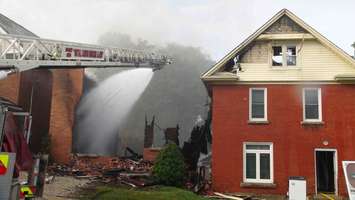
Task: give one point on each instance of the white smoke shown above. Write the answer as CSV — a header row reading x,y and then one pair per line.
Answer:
x,y
103,110
90,73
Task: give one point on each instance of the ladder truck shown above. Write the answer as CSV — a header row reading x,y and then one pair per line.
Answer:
x,y
20,53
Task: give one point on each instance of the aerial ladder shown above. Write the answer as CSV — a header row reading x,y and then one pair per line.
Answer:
x,y
20,53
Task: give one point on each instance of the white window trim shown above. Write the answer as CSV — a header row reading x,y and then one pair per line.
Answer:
x,y
250,105
271,152
284,46
319,105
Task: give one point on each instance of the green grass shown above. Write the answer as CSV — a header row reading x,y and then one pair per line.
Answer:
x,y
150,193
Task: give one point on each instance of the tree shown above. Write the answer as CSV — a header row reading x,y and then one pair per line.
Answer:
x,y
169,168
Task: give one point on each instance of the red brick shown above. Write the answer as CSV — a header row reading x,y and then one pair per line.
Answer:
x,y
66,93
151,154
9,87
293,143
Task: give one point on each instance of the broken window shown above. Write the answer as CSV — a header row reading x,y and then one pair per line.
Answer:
x,y
312,104
258,163
291,55
257,110
277,56
284,55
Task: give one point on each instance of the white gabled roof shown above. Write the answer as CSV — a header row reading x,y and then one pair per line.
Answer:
x,y
284,12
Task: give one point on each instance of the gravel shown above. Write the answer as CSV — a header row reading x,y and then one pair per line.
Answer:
x,y
64,187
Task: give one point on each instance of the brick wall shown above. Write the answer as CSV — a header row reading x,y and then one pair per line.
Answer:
x,y
66,93
9,87
37,85
293,143
151,154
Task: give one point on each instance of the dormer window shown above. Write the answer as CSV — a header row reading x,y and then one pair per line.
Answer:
x,y
284,55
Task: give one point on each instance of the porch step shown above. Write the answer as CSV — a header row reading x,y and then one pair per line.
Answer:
x,y
327,197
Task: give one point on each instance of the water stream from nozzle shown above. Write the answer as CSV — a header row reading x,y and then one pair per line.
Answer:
x,y
103,110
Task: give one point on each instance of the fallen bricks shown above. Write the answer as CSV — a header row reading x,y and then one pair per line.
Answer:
x,y
107,170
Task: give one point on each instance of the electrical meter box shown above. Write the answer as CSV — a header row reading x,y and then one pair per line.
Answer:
x,y
297,188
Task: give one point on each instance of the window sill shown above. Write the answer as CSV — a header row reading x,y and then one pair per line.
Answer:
x,y
257,185
319,123
258,122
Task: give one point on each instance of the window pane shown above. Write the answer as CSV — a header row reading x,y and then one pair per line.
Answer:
x,y
251,165
258,147
311,97
291,55
257,111
257,104
264,166
311,104
277,56
258,96
312,112
291,60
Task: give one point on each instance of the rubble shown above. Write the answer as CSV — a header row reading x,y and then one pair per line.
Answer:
x,y
106,169
217,195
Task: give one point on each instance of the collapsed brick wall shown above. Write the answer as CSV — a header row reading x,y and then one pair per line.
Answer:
x,y
66,93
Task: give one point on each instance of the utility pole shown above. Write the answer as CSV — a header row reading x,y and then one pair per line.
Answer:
x,y
353,45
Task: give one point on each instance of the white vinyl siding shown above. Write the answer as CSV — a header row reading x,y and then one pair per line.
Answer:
x,y
312,105
258,162
257,104
314,63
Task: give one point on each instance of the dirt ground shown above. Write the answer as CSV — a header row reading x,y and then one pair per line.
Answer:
x,y
64,187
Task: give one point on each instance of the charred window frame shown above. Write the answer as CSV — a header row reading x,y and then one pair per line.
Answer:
x,y
258,164
284,55
277,58
291,57
257,104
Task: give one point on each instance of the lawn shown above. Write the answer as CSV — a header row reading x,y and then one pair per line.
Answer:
x,y
150,193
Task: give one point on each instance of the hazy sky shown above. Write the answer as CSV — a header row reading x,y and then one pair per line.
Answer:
x,y
216,26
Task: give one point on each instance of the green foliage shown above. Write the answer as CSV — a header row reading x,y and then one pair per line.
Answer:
x,y
169,168
150,193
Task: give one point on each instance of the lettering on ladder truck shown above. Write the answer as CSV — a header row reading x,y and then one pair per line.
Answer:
x,y
4,163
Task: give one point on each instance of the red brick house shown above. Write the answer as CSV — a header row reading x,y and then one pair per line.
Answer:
x,y
283,104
